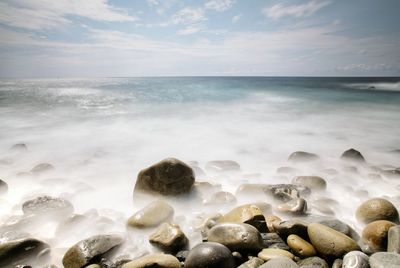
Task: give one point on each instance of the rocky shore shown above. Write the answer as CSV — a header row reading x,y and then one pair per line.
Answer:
x,y
295,223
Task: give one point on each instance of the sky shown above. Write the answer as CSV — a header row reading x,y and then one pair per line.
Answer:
x,y
97,38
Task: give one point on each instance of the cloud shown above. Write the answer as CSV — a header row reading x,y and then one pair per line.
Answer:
x,y
236,18
219,5
161,6
191,18
48,14
362,67
279,11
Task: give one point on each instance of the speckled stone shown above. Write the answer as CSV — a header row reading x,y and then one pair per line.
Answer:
x,y
384,260
356,259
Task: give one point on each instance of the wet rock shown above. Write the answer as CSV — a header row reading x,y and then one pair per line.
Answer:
x,y
249,213
340,227
356,259
93,266
207,223
182,255
92,248
384,260
377,209
271,253
375,234
272,221
210,255
293,226
19,147
287,192
391,173
159,260
48,206
394,239
220,198
43,167
16,249
297,206
300,156
313,182
330,242
301,247
251,190
286,170
152,215
169,238
273,240
167,177
338,263
313,262
3,187
222,166
254,262
240,237
282,262
352,155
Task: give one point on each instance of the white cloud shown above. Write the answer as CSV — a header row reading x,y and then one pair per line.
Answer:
x,y
47,14
161,6
304,10
236,18
189,15
364,67
219,5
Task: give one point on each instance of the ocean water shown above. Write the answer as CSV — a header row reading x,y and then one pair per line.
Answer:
x,y
99,133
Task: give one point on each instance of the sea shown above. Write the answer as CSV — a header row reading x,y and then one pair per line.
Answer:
x,y
98,133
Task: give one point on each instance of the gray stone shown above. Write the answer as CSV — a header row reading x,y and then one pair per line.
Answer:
x,y
282,262
83,252
210,255
48,206
352,155
293,226
254,262
385,260
19,147
394,239
313,262
356,259
43,167
273,240
300,156
287,192
236,236
167,177
313,182
338,263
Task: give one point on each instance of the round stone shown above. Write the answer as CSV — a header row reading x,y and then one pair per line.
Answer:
x,y
159,260
3,187
356,259
254,262
312,182
271,253
352,155
330,242
313,262
169,238
236,236
301,247
83,252
375,235
385,260
210,255
377,209
47,205
152,215
297,206
300,156
167,177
